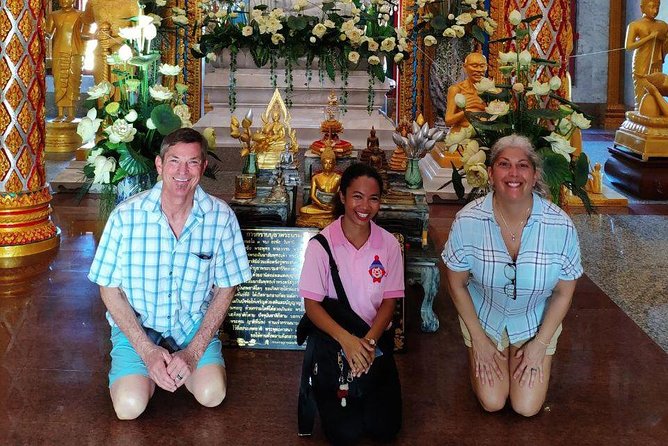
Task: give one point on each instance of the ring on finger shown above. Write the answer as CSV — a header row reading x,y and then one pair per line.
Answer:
x,y
179,377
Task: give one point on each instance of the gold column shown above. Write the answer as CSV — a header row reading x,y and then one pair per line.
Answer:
x,y
25,224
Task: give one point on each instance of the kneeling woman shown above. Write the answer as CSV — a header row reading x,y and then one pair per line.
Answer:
x,y
512,262
370,265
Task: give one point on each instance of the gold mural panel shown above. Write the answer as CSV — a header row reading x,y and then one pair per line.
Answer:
x,y
34,95
13,184
35,137
26,71
36,181
36,7
36,54
14,141
26,24
15,7
5,165
24,162
5,118
5,25
14,96
5,73
14,50
26,117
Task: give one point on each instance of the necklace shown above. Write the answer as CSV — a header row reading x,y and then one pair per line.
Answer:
x,y
513,236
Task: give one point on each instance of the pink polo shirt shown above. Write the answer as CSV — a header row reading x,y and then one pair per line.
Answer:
x,y
369,275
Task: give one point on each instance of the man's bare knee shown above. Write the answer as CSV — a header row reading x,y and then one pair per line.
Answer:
x,y
129,406
211,394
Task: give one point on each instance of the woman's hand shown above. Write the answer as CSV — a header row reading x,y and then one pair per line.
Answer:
x,y
530,369
359,353
485,356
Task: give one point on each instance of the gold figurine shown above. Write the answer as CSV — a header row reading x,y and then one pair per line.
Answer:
x,y
324,187
271,139
330,128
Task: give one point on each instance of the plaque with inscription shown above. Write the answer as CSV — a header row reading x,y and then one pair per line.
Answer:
x,y
266,310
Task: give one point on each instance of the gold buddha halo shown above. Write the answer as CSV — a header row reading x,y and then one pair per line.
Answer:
x,y
25,224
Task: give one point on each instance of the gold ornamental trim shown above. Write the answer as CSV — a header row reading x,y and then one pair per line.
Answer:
x,y
12,256
17,218
27,235
24,199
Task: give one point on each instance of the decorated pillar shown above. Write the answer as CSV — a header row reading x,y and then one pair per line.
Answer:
x,y
552,36
25,224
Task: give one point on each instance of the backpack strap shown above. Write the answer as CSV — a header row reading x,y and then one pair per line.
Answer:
x,y
338,286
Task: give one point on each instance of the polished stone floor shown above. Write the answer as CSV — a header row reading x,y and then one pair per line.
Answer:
x,y
609,384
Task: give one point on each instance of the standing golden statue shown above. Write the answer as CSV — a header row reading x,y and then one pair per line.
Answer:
x,y
645,130
65,26
271,139
109,16
324,187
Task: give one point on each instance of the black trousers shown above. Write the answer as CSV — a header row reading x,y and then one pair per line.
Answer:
x,y
376,414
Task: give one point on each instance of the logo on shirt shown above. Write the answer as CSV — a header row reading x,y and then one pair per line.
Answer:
x,y
377,270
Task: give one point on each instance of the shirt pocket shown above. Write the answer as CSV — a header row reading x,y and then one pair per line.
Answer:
x,y
197,276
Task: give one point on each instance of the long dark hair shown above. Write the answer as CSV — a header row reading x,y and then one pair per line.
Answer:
x,y
354,171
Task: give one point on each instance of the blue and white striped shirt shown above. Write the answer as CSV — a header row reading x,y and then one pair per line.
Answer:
x,y
168,281
549,252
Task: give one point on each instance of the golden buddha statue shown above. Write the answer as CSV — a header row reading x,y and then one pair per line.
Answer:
x,y
399,160
645,130
330,128
65,26
595,182
271,139
324,187
109,16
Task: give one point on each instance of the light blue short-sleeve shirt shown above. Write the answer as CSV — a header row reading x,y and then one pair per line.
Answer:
x,y
169,281
549,252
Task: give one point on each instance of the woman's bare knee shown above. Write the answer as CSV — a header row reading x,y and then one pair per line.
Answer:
x,y
526,408
492,402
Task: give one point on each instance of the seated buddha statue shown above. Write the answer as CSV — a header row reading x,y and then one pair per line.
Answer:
x,y
324,187
373,155
330,128
271,139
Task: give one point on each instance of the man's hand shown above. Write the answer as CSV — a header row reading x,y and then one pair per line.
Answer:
x,y
182,364
157,361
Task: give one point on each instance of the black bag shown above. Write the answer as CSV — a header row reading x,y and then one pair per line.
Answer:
x,y
321,369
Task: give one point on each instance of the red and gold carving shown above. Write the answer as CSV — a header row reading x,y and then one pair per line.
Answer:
x,y
405,89
552,38
25,225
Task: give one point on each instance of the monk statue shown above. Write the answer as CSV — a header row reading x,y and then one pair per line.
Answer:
x,y
648,38
65,26
109,16
475,66
278,192
595,181
324,187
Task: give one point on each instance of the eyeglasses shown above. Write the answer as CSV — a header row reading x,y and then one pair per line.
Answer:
x,y
510,271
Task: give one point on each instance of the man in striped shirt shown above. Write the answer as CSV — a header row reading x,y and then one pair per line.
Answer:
x,y
167,264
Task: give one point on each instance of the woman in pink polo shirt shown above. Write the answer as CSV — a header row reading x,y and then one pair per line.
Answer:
x,y
370,265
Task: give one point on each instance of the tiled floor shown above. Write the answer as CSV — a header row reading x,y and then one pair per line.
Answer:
x,y
609,384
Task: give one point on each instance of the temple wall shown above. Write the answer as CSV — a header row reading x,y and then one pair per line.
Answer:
x,y
589,82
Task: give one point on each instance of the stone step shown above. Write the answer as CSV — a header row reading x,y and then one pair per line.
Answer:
x,y
254,87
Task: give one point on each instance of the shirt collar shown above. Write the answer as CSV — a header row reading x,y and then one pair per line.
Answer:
x,y
338,238
202,202
536,210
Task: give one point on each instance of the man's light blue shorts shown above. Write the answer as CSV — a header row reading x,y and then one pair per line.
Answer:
x,y
125,360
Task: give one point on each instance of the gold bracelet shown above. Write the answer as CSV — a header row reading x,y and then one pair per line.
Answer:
x,y
541,342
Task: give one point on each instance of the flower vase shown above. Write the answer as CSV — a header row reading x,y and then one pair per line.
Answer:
x,y
413,176
250,164
133,184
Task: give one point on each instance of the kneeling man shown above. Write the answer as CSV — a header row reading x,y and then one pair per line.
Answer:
x,y
167,265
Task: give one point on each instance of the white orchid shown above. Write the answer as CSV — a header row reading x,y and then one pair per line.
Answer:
x,y
498,108
555,83
524,58
131,116
103,168
88,126
460,100
579,120
124,53
539,88
509,58
486,84
515,18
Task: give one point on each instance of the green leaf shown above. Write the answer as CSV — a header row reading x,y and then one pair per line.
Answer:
x,y
556,172
131,161
581,171
328,6
297,23
457,181
378,72
478,34
329,66
521,33
543,113
547,62
503,39
164,119
119,175
439,23
532,18
260,55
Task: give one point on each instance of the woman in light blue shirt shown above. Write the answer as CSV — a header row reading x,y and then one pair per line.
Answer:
x,y
512,262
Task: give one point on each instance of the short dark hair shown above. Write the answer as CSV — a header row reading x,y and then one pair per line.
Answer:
x,y
184,135
354,171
